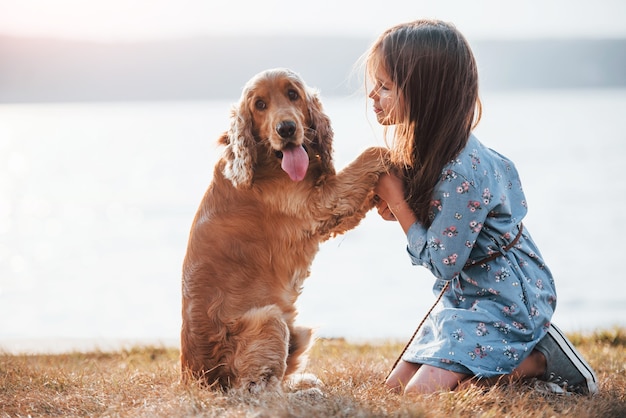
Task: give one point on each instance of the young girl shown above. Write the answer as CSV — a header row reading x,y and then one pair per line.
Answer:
x,y
461,206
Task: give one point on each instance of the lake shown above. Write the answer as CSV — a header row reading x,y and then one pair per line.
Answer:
x,y
96,201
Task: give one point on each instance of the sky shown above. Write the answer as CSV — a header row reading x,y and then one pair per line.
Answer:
x,y
132,20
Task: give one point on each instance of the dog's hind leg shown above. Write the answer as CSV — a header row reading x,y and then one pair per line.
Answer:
x,y
261,343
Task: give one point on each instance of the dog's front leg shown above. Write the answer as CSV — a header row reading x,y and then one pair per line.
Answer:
x,y
348,196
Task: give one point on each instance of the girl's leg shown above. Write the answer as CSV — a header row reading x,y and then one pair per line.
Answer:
x,y
416,378
532,366
401,375
430,379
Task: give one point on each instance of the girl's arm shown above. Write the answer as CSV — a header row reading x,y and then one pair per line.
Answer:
x,y
460,211
446,244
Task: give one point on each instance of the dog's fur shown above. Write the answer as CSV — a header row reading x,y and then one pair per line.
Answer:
x,y
257,231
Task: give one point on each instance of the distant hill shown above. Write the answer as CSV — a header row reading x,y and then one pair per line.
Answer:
x,y
41,70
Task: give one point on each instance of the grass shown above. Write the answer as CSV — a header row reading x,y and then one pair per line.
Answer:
x,y
144,382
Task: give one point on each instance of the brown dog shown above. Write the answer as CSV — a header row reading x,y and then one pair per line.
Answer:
x,y
274,198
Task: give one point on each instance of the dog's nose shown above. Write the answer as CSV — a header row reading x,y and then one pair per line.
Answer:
x,y
286,128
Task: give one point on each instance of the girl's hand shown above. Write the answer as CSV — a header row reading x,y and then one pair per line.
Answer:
x,y
391,205
383,210
390,189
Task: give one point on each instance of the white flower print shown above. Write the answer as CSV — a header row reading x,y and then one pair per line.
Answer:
x,y
481,329
458,334
502,274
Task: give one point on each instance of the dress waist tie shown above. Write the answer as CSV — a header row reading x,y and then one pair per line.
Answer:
x,y
471,263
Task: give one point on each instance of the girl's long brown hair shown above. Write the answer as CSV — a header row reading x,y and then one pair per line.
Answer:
x,y
434,71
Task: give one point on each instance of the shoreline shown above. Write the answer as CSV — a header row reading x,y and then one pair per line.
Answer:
x,y
64,345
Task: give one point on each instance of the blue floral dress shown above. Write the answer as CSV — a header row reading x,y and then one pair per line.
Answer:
x,y
492,313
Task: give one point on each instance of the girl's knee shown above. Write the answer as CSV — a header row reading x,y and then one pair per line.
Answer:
x,y
394,386
430,379
400,376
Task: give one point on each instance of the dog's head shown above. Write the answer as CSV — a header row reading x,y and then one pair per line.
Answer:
x,y
280,115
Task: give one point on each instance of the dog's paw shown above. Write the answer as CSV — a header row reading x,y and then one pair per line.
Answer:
x,y
301,381
309,395
260,384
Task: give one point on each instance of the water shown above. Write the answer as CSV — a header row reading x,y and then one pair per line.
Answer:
x,y
96,201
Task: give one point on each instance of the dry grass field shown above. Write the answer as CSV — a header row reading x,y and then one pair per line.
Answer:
x,y
144,382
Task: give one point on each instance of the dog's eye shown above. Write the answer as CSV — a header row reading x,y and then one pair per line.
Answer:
x,y
293,95
260,104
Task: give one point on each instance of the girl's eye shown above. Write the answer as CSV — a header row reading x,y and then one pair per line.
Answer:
x,y
379,86
260,104
292,94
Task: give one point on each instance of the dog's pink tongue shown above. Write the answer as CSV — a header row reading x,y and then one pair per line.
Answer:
x,y
295,162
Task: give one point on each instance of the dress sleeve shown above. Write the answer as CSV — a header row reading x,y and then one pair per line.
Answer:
x,y
458,213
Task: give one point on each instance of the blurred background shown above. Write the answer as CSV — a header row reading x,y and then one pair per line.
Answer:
x,y
110,111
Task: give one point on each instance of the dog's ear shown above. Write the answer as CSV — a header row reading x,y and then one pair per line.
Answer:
x,y
240,153
322,140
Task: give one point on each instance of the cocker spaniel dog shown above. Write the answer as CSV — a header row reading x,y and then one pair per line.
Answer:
x,y
273,199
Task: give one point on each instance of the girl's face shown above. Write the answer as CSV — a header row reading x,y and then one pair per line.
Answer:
x,y
386,103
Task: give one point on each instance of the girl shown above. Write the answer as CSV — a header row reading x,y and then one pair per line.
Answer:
x,y
461,206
